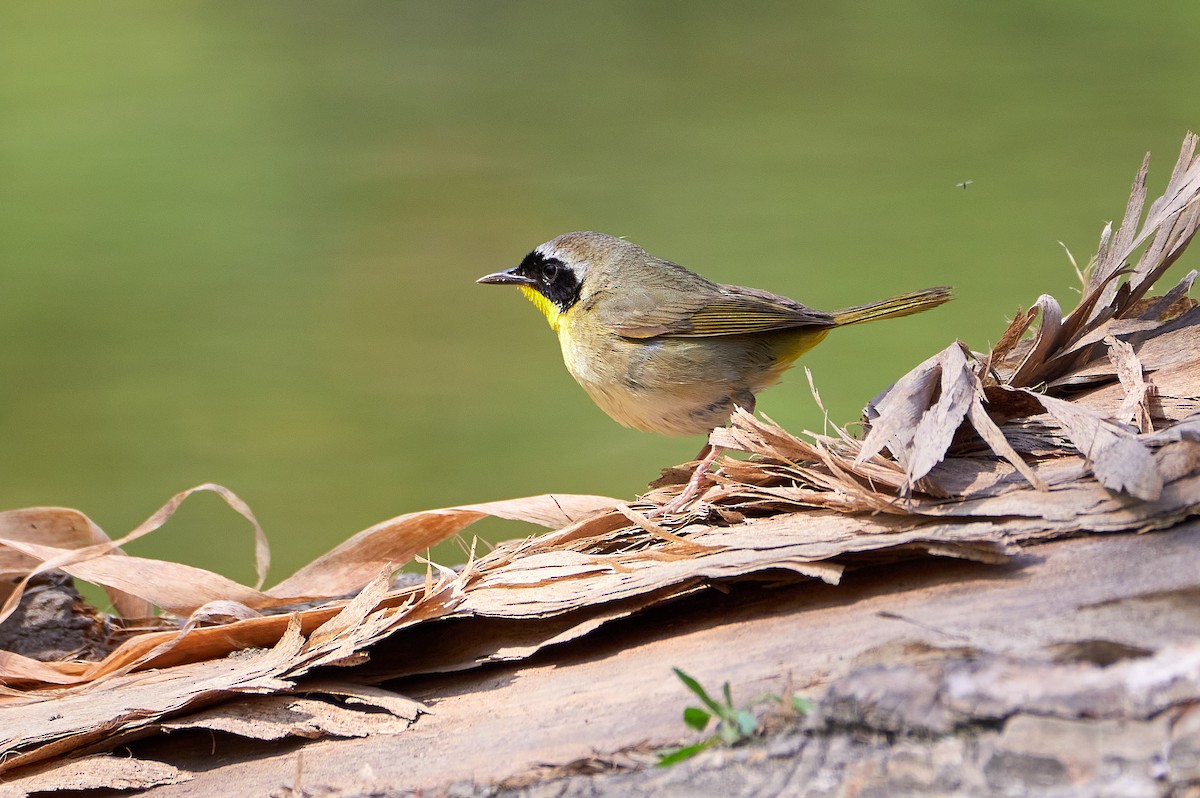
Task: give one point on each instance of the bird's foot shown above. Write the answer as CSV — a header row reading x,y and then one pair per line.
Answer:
x,y
692,490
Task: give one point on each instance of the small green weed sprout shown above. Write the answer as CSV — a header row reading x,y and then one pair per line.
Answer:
x,y
734,725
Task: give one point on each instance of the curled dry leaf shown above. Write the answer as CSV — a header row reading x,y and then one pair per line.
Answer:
x,y
218,613
55,527
1048,335
397,540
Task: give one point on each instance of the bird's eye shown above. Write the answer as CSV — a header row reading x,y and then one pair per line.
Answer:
x,y
550,271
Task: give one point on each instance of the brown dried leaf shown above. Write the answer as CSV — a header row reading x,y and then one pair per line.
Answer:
x,y
1044,342
1164,304
1174,347
16,669
1117,458
1112,328
894,416
179,589
143,580
1080,321
1186,430
61,528
994,438
262,551
917,429
1012,335
1175,216
219,613
1112,259
1136,407
396,541
935,432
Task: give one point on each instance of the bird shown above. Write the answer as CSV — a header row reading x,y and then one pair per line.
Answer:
x,y
662,349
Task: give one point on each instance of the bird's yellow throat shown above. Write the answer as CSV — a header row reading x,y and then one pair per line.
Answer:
x,y
548,308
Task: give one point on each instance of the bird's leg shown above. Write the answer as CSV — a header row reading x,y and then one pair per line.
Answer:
x,y
706,457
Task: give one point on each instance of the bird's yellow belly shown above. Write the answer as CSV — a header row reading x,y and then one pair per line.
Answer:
x,y
663,411
675,386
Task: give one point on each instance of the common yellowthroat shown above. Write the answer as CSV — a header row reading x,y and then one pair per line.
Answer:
x,y
662,349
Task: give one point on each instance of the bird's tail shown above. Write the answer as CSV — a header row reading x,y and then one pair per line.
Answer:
x,y
903,305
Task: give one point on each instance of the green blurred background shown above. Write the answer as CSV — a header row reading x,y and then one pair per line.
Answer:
x,y
238,240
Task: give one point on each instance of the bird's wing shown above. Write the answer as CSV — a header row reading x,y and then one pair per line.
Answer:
x,y
730,310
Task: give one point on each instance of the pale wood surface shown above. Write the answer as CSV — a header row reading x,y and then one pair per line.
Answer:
x,y
614,690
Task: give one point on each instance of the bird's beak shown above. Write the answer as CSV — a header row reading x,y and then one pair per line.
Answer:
x,y
510,277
